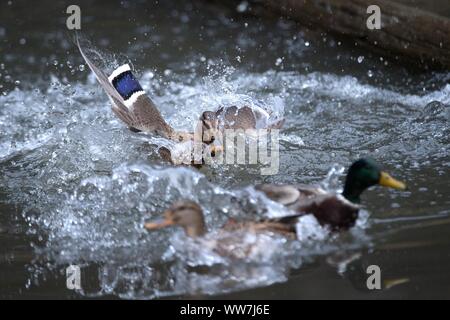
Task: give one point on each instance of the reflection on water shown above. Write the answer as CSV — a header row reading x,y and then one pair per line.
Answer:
x,y
76,185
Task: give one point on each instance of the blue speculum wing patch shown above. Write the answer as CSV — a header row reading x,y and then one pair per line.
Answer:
x,y
126,84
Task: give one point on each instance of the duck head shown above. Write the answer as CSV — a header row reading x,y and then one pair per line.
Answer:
x,y
186,214
365,173
208,126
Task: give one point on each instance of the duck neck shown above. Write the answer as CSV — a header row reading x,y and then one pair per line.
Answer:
x,y
353,190
197,230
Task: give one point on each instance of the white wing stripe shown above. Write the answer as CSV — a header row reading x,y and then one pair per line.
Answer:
x,y
119,70
132,100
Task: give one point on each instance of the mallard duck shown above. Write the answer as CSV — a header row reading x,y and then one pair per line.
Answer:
x,y
338,211
137,110
189,216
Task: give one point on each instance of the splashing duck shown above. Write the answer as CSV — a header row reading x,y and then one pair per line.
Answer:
x,y
189,216
135,108
338,211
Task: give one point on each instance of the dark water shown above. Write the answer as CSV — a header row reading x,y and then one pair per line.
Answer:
x,y
76,185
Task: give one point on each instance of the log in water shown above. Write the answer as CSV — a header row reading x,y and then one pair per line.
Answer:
x,y
407,33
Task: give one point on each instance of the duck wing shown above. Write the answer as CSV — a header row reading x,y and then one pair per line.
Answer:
x,y
283,225
129,101
289,195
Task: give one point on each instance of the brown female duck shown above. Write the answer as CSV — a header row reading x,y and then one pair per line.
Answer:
x,y
134,107
189,215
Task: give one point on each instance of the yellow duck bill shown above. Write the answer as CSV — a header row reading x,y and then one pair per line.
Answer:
x,y
387,181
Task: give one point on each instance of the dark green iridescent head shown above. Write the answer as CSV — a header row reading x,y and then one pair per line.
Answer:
x,y
363,174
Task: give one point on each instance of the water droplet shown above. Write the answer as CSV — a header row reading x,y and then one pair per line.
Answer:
x,y
242,7
306,44
360,59
81,67
238,59
184,18
55,62
370,73
17,82
22,41
246,24
278,61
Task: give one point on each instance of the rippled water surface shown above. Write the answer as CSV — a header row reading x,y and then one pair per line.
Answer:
x,y
77,185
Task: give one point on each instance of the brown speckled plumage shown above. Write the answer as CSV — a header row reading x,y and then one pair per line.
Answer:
x,y
189,215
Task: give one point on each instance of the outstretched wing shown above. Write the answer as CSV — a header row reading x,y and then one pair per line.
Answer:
x,y
129,101
102,79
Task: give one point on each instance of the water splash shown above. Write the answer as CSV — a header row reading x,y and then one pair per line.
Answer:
x,y
85,185
101,223
332,182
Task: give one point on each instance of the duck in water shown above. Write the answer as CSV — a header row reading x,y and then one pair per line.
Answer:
x,y
338,211
135,108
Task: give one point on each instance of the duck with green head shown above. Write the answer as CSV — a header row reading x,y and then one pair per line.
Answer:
x,y
338,211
